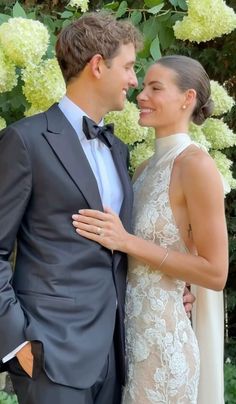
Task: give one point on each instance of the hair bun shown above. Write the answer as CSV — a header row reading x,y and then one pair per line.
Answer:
x,y
204,112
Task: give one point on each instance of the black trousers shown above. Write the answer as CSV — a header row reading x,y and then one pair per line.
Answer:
x,y
41,390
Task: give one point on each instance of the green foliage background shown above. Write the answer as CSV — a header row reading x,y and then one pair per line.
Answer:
x,y
155,18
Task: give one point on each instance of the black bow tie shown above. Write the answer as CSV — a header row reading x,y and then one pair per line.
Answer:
x,y
103,133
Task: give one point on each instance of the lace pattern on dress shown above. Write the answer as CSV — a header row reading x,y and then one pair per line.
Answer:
x,y
162,351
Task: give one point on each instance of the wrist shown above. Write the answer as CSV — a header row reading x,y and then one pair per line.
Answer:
x,y
128,243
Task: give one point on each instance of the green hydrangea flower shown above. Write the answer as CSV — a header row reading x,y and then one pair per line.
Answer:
x,y
222,101
126,124
206,19
140,153
8,77
223,165
143,151
2,123
23,40
82,4
43,85
197,135
218,133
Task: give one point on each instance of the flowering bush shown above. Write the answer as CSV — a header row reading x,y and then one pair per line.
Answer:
x,y
126,124
43,85
142,151
222,101
218,134
24,41
197,134
2,123
82,4
39,82
206,19
8,77
224,164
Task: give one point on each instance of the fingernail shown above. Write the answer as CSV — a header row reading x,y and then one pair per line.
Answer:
x,y
74,217
81,211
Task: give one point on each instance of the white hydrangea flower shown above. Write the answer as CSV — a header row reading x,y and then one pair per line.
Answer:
x,y
2,123
206,19
140,153
126,124
222,101
24,40
82,4
8,77
197,135
43,85
218,133
224,164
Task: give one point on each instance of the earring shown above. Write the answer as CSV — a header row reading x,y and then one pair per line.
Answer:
x,y
184,107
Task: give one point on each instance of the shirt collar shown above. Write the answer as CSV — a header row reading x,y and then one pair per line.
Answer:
x,y
74,114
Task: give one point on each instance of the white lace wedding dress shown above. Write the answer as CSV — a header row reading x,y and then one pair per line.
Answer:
x,y
162,350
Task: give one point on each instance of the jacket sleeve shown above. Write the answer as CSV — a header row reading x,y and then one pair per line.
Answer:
x,y
15,189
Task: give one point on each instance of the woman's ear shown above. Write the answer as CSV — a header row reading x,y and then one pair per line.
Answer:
x,y
190,97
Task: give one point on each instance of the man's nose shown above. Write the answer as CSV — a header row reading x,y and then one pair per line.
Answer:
x,y
133,80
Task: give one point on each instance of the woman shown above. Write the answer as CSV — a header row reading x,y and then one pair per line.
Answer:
x,y
179,236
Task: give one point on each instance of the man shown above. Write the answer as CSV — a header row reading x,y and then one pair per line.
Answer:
x,y
61,316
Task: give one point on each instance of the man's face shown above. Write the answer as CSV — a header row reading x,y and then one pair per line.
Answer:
x,y
118,77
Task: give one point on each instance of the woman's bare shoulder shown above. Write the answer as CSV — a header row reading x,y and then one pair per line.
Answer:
x,y
196,159
197,167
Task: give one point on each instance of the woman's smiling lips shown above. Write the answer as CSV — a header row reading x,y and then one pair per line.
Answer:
x,y
145,111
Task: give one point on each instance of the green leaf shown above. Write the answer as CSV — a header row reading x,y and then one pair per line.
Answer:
x,y
65,23
145,52
4,18
66,14
111,6
165,18
136,17
122,9
32,15
18,11
176,17
182,4
156,9
174,2
166,36
49,22
150,28
155,49
152,3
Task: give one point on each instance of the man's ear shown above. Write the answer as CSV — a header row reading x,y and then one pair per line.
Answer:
x,y
96,63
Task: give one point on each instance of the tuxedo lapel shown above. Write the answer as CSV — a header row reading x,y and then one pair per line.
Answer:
x,y
65,143
126,207
127,204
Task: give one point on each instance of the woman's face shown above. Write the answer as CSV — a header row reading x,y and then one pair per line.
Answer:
x,y
162,105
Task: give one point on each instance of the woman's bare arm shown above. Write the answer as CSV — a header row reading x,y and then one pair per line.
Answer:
x,y
203,191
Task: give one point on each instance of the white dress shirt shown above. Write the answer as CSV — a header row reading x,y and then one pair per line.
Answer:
x,y
99,157
102,164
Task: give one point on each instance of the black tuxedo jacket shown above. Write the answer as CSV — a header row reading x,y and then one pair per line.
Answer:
x,y
67,292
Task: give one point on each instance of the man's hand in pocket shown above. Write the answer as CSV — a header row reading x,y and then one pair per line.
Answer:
x,y
26,359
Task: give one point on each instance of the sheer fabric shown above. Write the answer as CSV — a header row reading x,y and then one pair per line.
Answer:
x,y
162,350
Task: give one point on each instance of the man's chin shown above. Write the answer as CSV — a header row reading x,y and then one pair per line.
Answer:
x,y
118,107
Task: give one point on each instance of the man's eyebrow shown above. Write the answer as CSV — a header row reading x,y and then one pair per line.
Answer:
x,y
131,63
